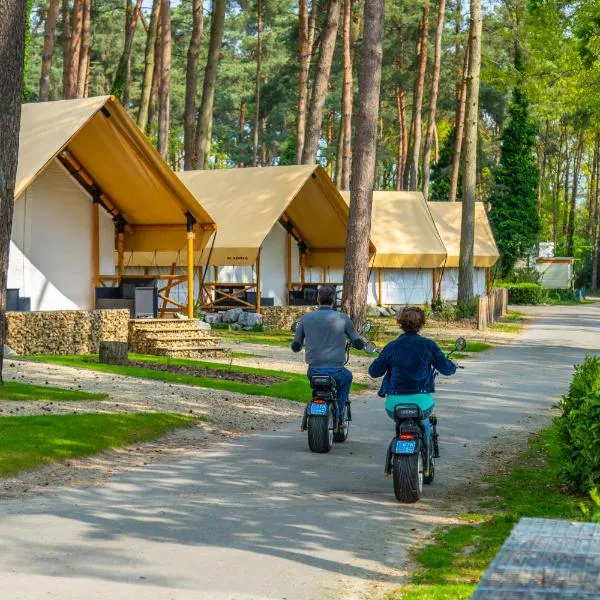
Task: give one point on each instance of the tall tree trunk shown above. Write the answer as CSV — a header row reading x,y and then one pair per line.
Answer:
x,y
122,80
12,54
66,44
164,85
565,219
418,100
149,66
339,159
576,172
153,107
592,190
467,238
257,82
204,128
74,49
459,126
435,86
49,36
596,219
84,56
542,167
321,83
242,127
346,125
459,68
556,192
304,51
403,134
264,161
402,137
191,84
356,271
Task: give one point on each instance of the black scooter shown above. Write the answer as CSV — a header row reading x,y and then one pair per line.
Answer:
x,y
410,459
321,419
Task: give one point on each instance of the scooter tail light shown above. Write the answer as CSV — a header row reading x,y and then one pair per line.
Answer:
x,y
407,436
319,401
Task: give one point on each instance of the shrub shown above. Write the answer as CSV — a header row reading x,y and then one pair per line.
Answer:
x,y
444,311
525,293
524,275
583,423
579,425
586,381
560,295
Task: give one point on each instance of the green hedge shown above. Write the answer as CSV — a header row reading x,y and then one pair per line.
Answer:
x,y
525,293
579,425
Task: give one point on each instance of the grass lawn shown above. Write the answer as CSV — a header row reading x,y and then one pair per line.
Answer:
x,y
14,390
293,387
512,322
454,562
28,442
282,337
270,337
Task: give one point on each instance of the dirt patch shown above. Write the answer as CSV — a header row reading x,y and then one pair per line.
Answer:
x,y
248,378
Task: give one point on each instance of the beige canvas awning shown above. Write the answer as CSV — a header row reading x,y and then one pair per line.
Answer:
x,y
448,216
96,140
403,232
247,203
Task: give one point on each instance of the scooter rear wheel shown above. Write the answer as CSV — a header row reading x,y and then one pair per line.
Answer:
x,y
408,477
320,432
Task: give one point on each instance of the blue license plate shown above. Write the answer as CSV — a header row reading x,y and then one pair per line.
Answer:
x,y
405,447
318,409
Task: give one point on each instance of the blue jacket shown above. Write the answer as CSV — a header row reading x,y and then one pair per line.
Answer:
x,y
408,365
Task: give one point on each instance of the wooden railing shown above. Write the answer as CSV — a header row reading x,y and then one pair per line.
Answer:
x,y
217,296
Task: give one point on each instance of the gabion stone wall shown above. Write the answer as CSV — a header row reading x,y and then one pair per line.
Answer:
x,y
65,331
282,317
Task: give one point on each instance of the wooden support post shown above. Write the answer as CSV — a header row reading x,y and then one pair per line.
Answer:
x,y
488,280
302,269
258,290
289,263
190,265
95,245
379,287
120,255
433,285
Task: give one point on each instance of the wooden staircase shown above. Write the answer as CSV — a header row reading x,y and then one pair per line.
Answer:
x,y
176,338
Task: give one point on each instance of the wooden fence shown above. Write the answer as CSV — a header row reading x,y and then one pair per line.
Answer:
x,y
491,307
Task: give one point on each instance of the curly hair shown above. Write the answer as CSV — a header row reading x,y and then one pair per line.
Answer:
x,y
411,319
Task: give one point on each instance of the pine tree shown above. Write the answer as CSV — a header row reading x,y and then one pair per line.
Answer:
x,y
514,216
441,171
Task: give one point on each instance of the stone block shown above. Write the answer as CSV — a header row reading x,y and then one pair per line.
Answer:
x,y
233,315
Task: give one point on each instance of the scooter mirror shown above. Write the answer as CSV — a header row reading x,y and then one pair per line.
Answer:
x,y
460,344
368,326
294,326
370,348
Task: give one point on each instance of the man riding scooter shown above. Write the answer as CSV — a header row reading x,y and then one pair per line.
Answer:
x,y
324,333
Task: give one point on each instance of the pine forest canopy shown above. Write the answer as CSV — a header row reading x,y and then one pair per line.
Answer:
x,y
248,82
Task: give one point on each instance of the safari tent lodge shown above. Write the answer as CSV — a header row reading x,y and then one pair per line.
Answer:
x,y
90,190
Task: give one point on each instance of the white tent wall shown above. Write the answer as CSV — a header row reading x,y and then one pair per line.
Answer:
x,y
51,258
406,286
273,266
450,284
332,275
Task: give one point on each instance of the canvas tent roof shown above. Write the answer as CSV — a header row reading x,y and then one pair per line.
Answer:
x,y
403,232
448,217
246,203
101,146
